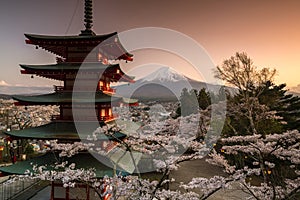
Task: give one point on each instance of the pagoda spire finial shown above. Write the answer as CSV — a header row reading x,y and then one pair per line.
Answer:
x,y
88,18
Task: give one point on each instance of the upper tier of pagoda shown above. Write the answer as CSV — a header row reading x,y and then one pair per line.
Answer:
x,y
78,48
85,47
61,71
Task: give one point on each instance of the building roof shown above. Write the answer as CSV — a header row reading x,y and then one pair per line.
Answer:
x,y
130,101
62,131
108,43
67,97
68,38
59,70
67,67
124,159
82,160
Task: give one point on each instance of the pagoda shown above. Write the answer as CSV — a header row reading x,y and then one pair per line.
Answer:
x,y
83,58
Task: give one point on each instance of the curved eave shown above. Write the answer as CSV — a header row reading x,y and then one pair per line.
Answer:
x,y
126,56
59,98
67,38
130,102
109,43
58,71
121,76
126,78
69,67
62,131
82,160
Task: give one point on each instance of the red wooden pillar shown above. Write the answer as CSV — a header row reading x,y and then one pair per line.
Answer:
x,y
52,191
67,193
87,192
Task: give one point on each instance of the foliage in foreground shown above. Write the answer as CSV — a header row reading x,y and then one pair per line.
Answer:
x,y
255,143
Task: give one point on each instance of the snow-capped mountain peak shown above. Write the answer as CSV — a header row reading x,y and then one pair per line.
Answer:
x,y
164,74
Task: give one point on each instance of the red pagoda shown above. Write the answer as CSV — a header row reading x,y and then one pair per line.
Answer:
x,y
85,56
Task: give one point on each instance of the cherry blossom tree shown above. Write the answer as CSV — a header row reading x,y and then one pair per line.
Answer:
x,y
164,143
165,140
168,142
270,156
253,136
21,117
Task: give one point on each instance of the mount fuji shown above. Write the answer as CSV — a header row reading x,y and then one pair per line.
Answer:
x,y
164,74
163,84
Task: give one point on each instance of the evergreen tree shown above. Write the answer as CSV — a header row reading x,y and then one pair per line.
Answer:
x,y
193,100
204,99
286,105
188,103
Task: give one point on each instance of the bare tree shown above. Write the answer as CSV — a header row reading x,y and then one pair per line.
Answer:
x,y
239,71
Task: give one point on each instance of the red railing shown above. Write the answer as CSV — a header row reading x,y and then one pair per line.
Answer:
x,y
83,118
58,88
108,90
106,118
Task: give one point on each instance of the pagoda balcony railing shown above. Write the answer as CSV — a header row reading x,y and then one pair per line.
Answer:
x,y
107,118
55,117
83,118
108,90
104,89
58,88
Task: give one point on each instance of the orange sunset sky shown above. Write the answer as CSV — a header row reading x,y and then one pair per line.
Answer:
x,y
268,31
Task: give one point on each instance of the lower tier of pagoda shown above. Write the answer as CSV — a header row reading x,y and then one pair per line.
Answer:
x,y
59,98
105,90
104,118
83,160
85,106
77,98
63,131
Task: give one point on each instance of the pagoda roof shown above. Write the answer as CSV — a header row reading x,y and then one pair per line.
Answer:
x,y
82,160
65,66
55,71
62,131
109,43
65,38
130,101
67,97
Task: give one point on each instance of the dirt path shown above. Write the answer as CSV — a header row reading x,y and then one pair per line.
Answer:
x,y
200,168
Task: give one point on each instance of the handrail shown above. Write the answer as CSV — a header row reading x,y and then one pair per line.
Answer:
x,y
58,88
10,190
83,118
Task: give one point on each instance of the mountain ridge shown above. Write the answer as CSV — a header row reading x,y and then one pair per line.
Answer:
x,y
163,84
164,74
26,90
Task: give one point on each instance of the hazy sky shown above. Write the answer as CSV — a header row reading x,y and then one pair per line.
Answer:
x,y
269,31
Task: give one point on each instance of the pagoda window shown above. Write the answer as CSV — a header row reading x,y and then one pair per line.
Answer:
x,y
118,71
107,85
99,56
100,85
109,112
102,112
